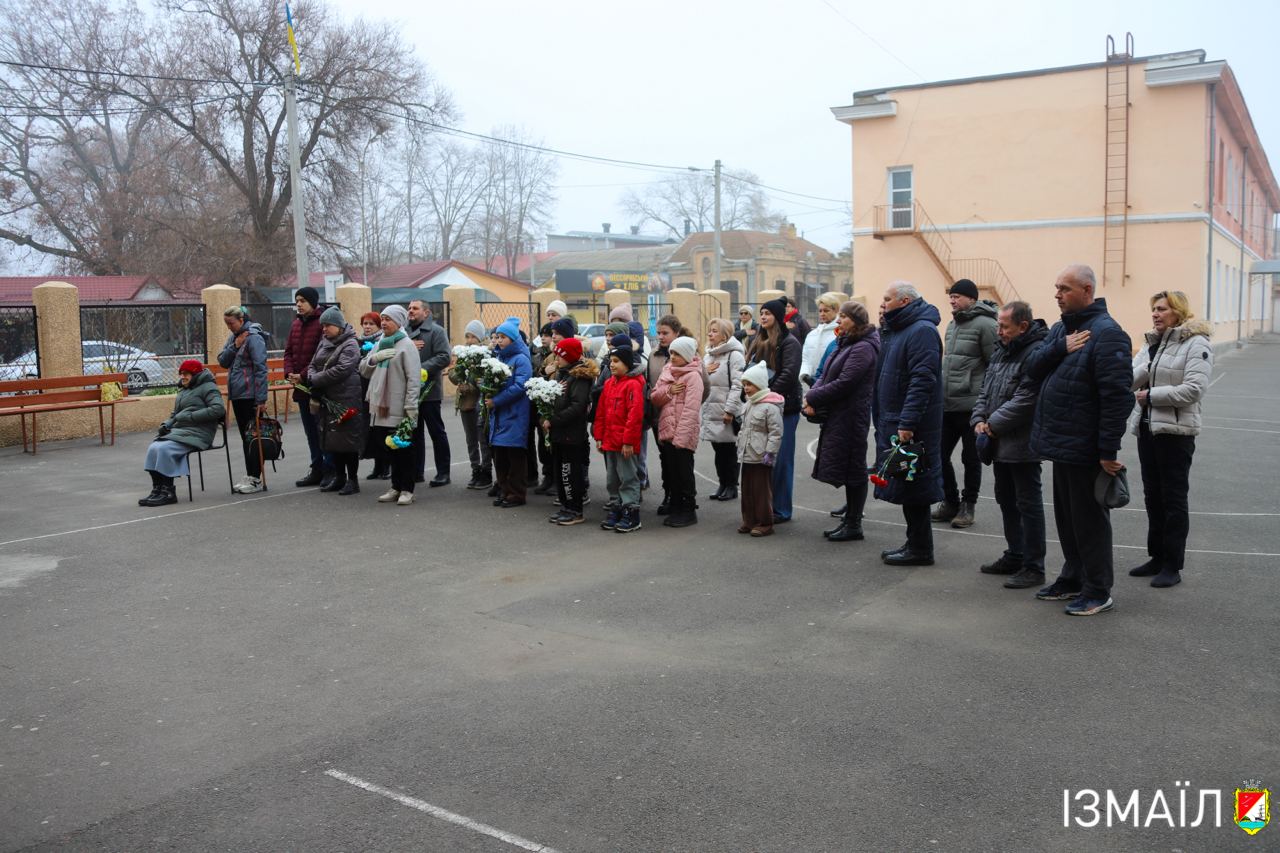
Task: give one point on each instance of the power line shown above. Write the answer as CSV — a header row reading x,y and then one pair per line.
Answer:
x,y
872,39
98,72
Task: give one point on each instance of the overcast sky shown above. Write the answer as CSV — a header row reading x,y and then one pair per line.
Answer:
x,y
751,83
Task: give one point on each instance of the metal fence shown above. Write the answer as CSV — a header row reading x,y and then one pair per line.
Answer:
x,y
494,314
147,342
19,349
275,318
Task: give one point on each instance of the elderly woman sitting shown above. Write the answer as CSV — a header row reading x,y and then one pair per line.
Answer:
x,y
196,414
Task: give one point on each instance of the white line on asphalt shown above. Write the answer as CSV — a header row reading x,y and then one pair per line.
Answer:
x,y
156,517
1244,420
1191,512
1217,378
1242,429
442,814
998,536
809,449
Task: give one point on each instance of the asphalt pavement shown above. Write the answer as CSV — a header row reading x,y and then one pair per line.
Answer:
x,y
303,671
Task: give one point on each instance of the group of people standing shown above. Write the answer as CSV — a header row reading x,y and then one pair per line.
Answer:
x,y
1000,382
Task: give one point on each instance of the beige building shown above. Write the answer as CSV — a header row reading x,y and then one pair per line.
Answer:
x,y
752,261
1147,168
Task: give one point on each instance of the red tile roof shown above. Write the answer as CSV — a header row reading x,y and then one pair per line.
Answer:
x,y
93,288
406,275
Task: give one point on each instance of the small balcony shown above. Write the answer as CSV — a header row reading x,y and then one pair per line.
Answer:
x,y
895,219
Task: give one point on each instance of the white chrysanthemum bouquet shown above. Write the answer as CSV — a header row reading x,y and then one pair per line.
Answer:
x,y
543,393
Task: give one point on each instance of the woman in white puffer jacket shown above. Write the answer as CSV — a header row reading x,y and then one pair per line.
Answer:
x,y
1170,377
821,335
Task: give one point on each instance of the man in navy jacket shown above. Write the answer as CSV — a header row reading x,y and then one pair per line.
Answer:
x,y
1085,365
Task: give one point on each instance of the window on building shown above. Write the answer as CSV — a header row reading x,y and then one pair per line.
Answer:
x,y
1231,183
901,198
780,284
1222,164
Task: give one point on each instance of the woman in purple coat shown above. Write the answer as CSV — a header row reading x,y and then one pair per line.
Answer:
x,y
842,399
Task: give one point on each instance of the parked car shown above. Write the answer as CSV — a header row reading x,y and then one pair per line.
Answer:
x,y
592,336
99,357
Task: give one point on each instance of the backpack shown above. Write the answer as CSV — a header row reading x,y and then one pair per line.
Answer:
x,y
265,434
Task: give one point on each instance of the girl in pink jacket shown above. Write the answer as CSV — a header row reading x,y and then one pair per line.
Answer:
x,y
678,397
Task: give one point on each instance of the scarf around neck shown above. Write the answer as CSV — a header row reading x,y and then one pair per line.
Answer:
x,y
759,395
388,342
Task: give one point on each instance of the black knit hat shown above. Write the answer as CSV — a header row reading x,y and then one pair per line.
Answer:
x,y
310,294
965,287
623,352
564,328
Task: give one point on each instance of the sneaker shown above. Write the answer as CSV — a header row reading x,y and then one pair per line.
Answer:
x,y
1082,606
1025,579
570,519
629,521
1058,591
405,499
251,485
944,511
1006,565
243,481
557,517
480,483
389,496
612,515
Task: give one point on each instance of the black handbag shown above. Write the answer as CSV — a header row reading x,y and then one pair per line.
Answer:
x,y
1112,491
265,434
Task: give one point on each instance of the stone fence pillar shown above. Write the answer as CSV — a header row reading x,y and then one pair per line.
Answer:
x,y
355,300
217,299
58,329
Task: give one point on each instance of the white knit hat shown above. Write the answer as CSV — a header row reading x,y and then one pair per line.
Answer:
x,y
757,374
558,307
686,348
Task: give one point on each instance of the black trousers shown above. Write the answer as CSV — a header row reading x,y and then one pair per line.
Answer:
x,y
509,472
244,411
538,454
955,428
431,423
1021,503
677,467
346,465
1166,482
1084,529
569,462
855,495
400,461
919,528
664,465
726,457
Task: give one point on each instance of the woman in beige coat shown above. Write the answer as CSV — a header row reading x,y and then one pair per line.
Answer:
x,y
394,371
1170,376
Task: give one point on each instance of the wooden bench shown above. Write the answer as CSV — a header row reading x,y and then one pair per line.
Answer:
x,y
276,384
31,397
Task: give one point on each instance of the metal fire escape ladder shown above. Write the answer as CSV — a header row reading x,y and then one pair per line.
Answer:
x,y
1115,205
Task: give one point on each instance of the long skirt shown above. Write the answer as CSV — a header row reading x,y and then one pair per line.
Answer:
x,y
168,458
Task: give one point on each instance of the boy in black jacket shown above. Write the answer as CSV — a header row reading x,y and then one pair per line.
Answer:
x,y
567,427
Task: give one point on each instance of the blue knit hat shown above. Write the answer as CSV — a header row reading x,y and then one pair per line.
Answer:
x,y
564,328
510,327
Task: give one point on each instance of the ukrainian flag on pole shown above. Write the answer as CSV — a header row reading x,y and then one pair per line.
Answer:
x,y
293,42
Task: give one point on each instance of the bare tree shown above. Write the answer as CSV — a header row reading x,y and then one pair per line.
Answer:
x,y
137,162
450,179
517,200
691,197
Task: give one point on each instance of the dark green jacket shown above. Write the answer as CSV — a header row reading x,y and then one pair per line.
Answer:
x,y
197,412
970,342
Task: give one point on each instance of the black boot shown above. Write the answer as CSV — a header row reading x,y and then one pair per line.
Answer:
x,y
665,506
847,532
730,493
155,489
544,487
1149,569
839,513
164,496
333,484
314,478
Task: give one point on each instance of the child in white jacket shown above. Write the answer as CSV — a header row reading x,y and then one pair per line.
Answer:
x,y
759,440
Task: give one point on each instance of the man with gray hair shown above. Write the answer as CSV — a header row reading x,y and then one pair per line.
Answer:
x,y
1085,365
908,410
1001,422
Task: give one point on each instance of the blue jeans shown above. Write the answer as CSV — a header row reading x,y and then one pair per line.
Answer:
x,y
319,459
784,468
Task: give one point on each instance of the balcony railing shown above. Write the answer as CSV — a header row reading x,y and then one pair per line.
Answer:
x,y
988,274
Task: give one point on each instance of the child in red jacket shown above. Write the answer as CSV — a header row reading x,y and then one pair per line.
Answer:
x,y
618,426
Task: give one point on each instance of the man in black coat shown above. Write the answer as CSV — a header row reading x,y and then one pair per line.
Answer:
x,y
433,351
908,407
1085,365
1002,418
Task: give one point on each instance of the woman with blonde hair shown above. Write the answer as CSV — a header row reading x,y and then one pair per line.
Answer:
x,y
1170,377
822,337
724,364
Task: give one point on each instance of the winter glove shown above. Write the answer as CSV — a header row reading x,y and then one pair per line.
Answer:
x,y
768,459
164,429
367,346
806,379
382,355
